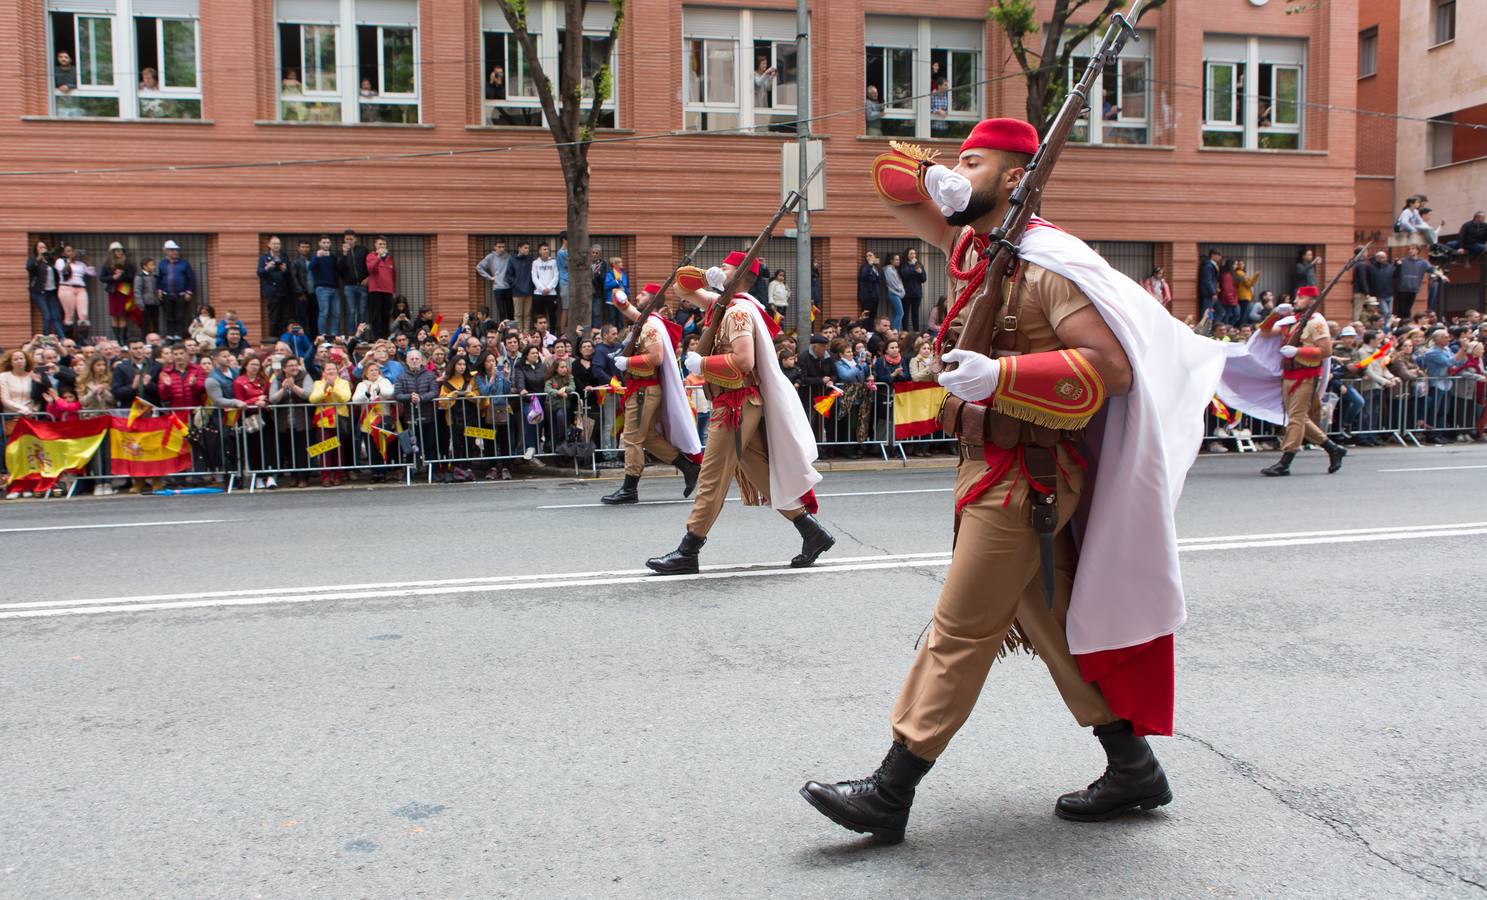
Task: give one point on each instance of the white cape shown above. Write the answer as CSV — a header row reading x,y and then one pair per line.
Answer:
x,y
676,423
792,445
1128,586
1252,381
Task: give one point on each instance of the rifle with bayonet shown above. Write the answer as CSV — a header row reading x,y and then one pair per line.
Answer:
x,y
981,317
658,301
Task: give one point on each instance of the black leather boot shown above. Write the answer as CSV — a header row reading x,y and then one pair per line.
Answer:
x,y
1133,779
690,471
815,541
1335,453
878,804
682,560
625,493
1283,467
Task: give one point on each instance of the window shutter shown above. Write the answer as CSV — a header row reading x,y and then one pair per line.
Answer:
x,y
718,23
168,9
954,34
310,11
387,12
81,6
892,31
492,19
774,26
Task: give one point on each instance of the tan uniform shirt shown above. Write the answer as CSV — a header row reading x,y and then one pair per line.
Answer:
x,y
737,323
1046,299
646,347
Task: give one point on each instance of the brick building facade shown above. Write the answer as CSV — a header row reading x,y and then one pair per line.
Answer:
x,y
1213,132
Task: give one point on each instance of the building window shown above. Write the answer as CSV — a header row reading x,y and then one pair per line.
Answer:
x,y
1122,93
358,69
923,76
1444,26
1368,52
102,67
1253,93
741,70
511,97
1442,136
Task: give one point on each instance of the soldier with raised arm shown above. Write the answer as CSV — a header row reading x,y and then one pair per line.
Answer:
x,y
1085,369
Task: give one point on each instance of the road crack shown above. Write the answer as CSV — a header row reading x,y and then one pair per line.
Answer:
x,y
1304,804
918,570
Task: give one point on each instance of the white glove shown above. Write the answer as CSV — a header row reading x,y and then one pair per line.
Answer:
x,y
621,298
975,375
1288,351
716,278
947,188
621,363
1284,309
1287,322
694,363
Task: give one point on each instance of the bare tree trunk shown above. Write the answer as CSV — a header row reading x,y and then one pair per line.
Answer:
x,y
580,283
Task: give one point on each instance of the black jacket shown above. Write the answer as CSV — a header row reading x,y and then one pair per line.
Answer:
x,y
273,281
36,270
299,276
1380,280
869,286
352,265
532,379
122,383
1472,232
914,277
812,370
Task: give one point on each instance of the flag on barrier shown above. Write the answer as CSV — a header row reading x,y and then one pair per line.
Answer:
x,y
140,407
384,439
371,418
38,453
1220,411
824,403
148,448
916,408
325,417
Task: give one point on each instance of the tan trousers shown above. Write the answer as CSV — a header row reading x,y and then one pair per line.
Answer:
x,y
1360,302
642,411
1300,400
722,463
523,310
994,583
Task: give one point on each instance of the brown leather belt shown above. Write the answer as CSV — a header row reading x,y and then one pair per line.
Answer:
x,y
976,426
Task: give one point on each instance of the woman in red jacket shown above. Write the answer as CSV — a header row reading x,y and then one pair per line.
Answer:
x,y
382,283
251,387
1228,294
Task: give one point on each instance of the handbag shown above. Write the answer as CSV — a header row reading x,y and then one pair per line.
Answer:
x,y
534,409
252,424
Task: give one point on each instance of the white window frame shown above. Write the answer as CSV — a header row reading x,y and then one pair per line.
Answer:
x,y
1249,102
922,54
548,40
124,52
1236,104
775,106
889,111
703,106
1094,118
306,94
348,62
164,92
742,38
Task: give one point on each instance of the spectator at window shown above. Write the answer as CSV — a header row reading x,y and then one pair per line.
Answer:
x,y
352,268
290,85
873,110
382,283
1411,220
521,284
779,293
291,389
529,378
366,88
177,290
64,73
495,84
251,389
1472,239
1305,274
72,278
149,83
43,281
545,283
324,268
331,391
764,76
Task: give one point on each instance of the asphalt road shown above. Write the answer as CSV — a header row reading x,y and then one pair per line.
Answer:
x,y
475,691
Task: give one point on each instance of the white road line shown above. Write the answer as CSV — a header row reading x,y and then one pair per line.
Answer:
x,y
500,584
944,490
118,525
1434,469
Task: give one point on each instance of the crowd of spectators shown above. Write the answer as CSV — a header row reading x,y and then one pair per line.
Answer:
x,y
343,339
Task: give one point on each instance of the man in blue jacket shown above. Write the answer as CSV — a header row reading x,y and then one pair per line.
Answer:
x,y
1380,280
1208,281
1438,361
521,284
177,287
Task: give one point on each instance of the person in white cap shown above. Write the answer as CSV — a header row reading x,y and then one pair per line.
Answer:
x,y
177,288
1347,379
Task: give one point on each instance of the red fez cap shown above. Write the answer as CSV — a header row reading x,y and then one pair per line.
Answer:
x,y
652,288
1013,135
735,259
1306,290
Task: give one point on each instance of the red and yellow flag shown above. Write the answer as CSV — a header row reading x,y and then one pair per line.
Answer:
x,y
616,385
1375,356
371,418
148,448
230,417
325,417
916,408
438,326
38,453
1220,411
824,403
139,407
384,440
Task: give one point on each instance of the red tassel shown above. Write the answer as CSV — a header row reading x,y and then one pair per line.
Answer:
x,y
808,500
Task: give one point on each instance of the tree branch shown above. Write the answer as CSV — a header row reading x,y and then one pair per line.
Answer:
x,y
516,17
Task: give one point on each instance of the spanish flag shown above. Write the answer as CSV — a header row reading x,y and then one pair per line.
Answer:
x,y
230,417
140,407
438,323
325,417
1375,356
371,418
615,385
916,408
824,403
1220,411
148,448
38,453
384,440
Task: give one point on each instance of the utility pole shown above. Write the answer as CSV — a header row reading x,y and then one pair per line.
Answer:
x,y
802,302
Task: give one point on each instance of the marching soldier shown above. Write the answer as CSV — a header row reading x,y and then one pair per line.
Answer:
x,y
758,432
1305,355
657,418
1077,346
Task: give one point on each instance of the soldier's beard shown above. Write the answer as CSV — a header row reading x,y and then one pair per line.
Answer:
x,y
983,203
